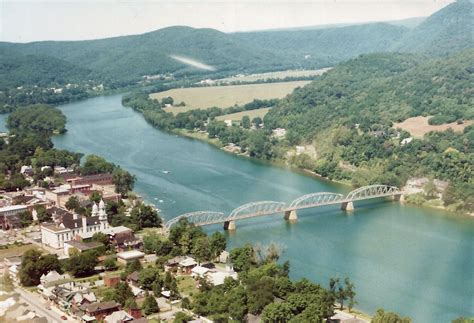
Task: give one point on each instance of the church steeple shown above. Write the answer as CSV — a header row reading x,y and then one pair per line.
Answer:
x,y
104,224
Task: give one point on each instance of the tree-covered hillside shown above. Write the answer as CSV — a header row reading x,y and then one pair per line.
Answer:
x,y
325,47
449,30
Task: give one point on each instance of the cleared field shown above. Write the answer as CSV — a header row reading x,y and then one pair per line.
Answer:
x,y
418,126
226,96
238,115
273,75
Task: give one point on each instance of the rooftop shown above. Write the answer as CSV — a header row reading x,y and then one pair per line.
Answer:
x,y
129,255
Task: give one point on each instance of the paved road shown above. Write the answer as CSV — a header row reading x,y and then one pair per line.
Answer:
x,y
39,306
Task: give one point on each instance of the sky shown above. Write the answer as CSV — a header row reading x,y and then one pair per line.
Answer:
x,y
35,20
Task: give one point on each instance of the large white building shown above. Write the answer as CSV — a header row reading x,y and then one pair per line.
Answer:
x,y
67,225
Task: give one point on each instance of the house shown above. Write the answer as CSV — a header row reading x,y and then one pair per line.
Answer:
x,y
125,257
132,279
186,265
26,170
279,133
100,310
53,277
67,225
406,141
137,292
217,278
111,280
199,272
172,264
118,317
100,179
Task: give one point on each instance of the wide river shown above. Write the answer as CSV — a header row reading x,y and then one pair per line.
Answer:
x,y
415,261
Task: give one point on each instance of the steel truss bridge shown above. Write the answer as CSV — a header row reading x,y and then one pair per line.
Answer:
x,y
263,208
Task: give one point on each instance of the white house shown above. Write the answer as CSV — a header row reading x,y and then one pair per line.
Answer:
x,y
66,226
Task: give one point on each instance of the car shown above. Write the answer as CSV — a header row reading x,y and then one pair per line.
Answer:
x,y
63,317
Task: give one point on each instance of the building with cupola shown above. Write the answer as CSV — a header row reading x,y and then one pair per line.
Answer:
x,y
66,225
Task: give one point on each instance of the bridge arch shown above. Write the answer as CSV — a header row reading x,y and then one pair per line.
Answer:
x,y
198,218
315,199
372,191
257,208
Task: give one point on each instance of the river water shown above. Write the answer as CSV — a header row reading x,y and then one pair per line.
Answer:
x,y
415,261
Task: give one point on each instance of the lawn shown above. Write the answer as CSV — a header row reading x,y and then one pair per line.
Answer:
x,y
187,285
226,96
14,250
418,126
250,113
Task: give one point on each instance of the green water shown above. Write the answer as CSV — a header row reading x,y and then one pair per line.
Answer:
x,y
415,261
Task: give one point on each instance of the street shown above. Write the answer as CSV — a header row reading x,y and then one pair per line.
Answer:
x,y
37,303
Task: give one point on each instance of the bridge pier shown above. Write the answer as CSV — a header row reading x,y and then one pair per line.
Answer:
x,y
230,225
398,197
347,206
291,215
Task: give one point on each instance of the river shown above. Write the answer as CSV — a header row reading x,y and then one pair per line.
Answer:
x,y
415,261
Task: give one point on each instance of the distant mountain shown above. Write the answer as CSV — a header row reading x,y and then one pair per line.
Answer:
x,y
327,46
447,31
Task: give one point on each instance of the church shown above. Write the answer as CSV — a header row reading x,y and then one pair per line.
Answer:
x,y
67,225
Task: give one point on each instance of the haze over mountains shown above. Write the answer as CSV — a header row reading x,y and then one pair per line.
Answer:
x,y
124,60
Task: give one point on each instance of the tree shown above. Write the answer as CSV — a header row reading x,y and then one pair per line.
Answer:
x,y
95,197
217,244
25,219
181,317
277,312
145,216
350,293
237,303
243,258
388,317
34,265
202,250
245,122
96,165
312,313
83,264
123,181
135,265
257,121
72,204
186,303
150,305
259,294
147,277
42,215
122,293
7,282
110,264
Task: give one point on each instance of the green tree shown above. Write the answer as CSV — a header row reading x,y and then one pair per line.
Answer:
x,y
218,244
243,258
110,264
277,313
34,265
388,317
145,216
202,250
123,181
246,122
72,204
42,215
25,219
181,317
350,293
95,197
82,264
150,305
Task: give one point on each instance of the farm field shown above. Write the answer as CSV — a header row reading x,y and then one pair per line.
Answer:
x,y
226,96
250,113
418,126
273,75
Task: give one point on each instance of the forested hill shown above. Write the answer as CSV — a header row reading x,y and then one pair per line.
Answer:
x,y
447,31
380,89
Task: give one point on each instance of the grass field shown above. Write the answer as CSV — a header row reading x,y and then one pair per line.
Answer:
x,y
15,250
238,115
273,75
418,126
226,96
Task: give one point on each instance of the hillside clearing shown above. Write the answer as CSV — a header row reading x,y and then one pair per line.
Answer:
x,y
418,126
226,96
250,113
